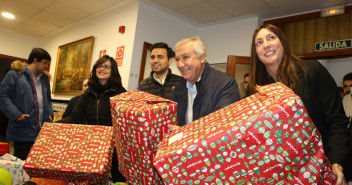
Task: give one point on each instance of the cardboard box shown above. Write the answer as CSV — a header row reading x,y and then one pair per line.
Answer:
x,y
71,152
140,120
267,138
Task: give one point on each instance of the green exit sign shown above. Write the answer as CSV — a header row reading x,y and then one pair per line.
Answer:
x,y
332,45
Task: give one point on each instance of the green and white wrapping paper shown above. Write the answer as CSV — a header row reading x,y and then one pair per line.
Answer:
x,y
267,138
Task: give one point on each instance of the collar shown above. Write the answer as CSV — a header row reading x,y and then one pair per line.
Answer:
x,y
31,73
190,86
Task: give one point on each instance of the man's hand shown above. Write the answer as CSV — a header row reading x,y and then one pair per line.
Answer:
x,y
22,117
50,118
337,170
173,127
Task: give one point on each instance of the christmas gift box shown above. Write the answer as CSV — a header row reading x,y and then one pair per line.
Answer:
x,y
140,120
72,152
266,138
14,166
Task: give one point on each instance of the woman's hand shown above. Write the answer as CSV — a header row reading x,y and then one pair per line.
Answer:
x,y
22,117
337,170
173,127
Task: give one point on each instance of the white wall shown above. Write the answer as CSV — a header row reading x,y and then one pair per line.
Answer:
x,y
16,45
146,23
233,38
104,28
339,68
154,25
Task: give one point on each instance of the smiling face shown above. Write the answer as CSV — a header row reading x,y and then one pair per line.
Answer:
x,y
188,63
103,72
269,48
159,61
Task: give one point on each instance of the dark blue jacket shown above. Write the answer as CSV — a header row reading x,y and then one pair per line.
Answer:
x,y
17,97
215,90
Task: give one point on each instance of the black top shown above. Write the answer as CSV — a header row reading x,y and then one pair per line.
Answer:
x,y
151,86
70,106
319,93
94,106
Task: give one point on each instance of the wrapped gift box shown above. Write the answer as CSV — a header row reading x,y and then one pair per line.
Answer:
x,y
267,138
140,120
14,166
71,152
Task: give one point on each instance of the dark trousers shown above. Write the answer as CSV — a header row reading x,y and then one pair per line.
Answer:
x,y
22,148
115,173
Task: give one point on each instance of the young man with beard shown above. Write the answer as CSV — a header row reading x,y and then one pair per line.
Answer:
x,y
25,98
161,80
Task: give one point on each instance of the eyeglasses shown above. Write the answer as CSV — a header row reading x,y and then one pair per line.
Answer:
x,y
103,66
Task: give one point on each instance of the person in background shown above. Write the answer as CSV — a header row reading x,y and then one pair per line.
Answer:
x,y
161,80
347,83
93,107
272,61
245,84
347,105
203,89
347,97
25,98
73,101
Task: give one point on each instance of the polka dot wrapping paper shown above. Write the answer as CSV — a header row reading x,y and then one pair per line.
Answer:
x,y
266,138
140,121
71,152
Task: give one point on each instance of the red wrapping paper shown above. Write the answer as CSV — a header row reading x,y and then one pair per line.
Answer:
x,y
267,138
140,121
71,152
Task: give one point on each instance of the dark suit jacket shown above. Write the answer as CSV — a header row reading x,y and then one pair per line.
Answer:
x,y
215,90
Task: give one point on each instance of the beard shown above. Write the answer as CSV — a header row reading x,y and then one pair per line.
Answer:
x,y
161,71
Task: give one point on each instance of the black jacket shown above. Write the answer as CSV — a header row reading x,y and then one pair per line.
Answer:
x,y
94,106
151,86
215,90
71,104
319,94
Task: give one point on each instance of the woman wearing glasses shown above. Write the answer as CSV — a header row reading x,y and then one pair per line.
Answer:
x,y
94,105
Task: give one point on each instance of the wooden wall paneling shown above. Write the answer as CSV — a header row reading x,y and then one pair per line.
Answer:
x,y
303,31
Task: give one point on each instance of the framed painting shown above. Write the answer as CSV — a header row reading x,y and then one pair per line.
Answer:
x,y
72,66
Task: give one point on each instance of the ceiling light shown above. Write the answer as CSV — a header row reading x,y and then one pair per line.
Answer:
x,y
8,15
334,10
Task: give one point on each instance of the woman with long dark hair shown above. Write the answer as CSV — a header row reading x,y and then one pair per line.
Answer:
x,y
93,107
272,61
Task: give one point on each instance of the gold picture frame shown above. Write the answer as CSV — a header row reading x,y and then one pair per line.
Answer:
x,y
72,66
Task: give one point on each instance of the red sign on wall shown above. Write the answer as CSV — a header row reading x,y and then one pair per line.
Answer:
x,y
102,53
119,55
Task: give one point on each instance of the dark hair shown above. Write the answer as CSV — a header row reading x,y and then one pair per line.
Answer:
x,y
39,54
170,53
348,76
245,75
286,70
115,78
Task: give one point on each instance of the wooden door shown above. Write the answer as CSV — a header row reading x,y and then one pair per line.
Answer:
x,y
146,49
238,66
